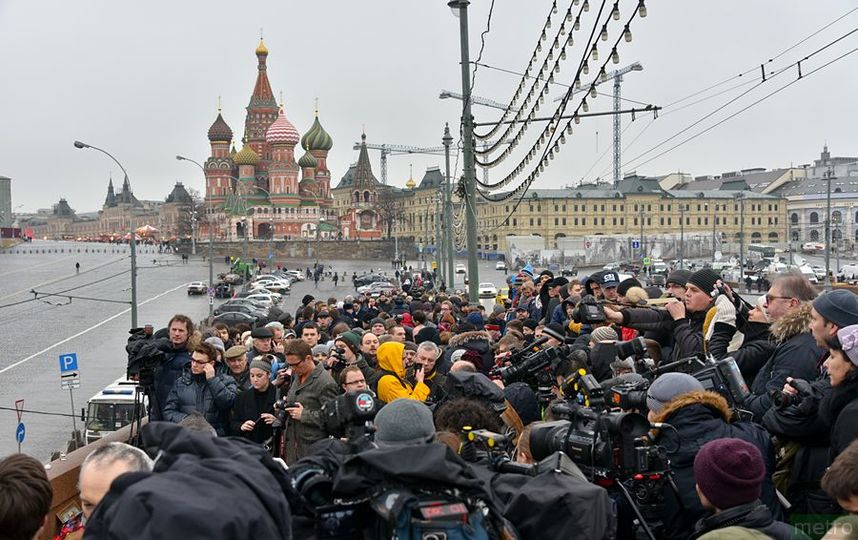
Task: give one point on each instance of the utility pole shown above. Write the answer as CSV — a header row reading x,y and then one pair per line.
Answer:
x,y
210,213
829,174
681,235
448,210
740,196
468,151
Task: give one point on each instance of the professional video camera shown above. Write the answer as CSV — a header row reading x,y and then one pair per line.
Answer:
x,y
351,414
721,376
589,311
536,369
339,356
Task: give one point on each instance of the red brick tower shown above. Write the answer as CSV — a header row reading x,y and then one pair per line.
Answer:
x,y
261,113
219,166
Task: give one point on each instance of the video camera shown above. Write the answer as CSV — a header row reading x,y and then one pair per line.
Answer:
x,y
589,311
351,414
339,356
536,369
721,376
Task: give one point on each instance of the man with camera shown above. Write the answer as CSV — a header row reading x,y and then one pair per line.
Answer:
x,y
687,417
683,319
177,356
311,388
796,353
346,353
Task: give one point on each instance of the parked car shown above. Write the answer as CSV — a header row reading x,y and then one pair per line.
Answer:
x,y
233,279
460,269
231,318
569,271
501,265
241,308
297,274
271,285
224,290
197,287
375,285
267,299
366,279
611,266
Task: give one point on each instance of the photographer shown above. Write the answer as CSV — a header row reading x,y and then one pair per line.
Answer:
x,y
311,388
796,419
252,412
176,357
685,320
393,383
346,353
694,417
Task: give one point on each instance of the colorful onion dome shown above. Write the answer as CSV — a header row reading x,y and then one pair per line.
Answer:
x,y
220,131
281,131
317,138
308,161
246,156
261,50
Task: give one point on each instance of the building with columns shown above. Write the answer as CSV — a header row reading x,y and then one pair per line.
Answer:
x,y
262,190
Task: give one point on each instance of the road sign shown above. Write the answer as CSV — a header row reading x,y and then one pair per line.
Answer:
x,y
587,244
647,261
636,244
211,291
68,362
70,384
19,408
20,432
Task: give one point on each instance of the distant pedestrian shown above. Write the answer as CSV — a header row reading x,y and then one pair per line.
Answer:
x,y
748,283
316,279
336,279
77,268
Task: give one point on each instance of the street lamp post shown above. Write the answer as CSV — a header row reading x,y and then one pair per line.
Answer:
x,y
828,175
460,9
210,212
448,211
740,197
132,243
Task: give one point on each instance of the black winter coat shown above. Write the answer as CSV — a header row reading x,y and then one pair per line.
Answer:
x,y
212,398
249,405
754,516
796,356
202,487
687,333
755,351
700,417
839,411
167,374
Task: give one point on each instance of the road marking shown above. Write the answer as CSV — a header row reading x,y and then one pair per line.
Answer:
x,y
93,327
61,278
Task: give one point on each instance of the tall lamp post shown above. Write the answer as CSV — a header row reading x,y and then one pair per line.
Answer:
x,y
448,210
828,175
132,242
740,198
460,9
209,212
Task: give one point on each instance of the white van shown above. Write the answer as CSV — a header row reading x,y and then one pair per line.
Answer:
x,y
111,409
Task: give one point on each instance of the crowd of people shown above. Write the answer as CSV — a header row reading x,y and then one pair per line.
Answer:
x,y
781,463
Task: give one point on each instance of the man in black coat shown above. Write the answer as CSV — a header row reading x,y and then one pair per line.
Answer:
x,y
185,494
796,353
697,417
729,476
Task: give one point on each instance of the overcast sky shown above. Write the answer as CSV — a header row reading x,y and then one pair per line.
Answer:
x,y
142,80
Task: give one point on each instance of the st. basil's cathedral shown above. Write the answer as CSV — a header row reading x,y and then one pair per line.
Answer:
x,y
262,189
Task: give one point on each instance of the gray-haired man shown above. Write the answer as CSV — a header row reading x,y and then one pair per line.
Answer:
x,y
102,466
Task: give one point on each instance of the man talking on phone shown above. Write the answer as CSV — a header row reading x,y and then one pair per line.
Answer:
x,y
394,384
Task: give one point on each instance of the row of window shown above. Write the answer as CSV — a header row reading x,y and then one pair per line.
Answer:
x,y
687,207
836,217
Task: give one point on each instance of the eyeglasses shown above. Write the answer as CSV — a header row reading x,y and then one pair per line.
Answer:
x,y
199,362
770,297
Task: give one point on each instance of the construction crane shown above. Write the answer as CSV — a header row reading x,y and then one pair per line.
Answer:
x,y
617,76
398,149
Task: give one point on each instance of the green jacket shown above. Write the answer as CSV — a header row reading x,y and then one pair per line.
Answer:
x,y
318,389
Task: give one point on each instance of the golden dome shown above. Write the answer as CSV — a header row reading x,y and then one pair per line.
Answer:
x,y
262,49
411,184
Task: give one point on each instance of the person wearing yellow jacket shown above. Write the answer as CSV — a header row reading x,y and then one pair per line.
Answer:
x,y
393,384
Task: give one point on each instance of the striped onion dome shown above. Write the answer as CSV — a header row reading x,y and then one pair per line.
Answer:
x,y
281,131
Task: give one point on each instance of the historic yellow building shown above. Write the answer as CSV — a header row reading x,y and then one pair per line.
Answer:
x,y
639,207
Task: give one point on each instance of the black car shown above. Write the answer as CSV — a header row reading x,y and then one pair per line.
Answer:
x,y
366,279
224,290
569,271
241,308
232,318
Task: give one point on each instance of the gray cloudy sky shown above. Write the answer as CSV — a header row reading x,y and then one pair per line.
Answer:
x,y
142,79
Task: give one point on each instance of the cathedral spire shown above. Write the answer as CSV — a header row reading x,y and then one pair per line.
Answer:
x,y
262,94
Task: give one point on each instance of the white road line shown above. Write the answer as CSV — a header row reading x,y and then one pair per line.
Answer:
x,y
61,278
93,327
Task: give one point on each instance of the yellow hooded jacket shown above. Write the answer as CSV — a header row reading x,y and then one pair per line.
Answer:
x,y
392,387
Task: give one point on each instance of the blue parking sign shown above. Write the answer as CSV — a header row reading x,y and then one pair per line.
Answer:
x,y
68,362
636,244
20,432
